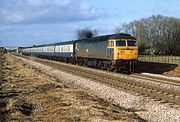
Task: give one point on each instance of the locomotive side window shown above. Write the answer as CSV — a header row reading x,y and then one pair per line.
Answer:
x,y
121,43
131,43
111,43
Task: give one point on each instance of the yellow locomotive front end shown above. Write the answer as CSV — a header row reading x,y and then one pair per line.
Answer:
x,y
125,50
125,54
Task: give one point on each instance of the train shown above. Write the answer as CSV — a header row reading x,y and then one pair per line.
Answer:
x,y
114,52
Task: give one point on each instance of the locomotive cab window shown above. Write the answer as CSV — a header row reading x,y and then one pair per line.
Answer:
x,y
111,43
131,42
121,43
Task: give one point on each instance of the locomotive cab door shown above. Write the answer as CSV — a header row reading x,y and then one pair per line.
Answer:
x,y
110,49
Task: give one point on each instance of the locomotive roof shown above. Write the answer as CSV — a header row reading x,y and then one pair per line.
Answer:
x,y
111,36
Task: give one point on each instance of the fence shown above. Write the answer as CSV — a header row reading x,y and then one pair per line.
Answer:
x,y
160,59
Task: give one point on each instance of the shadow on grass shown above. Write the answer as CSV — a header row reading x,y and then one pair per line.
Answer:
x,y
156,68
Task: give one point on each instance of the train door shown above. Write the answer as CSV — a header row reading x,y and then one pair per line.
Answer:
x,y
110,49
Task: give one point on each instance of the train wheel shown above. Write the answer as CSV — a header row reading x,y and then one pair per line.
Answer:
x,y
133,67
116,69
110,67
84,63
102,66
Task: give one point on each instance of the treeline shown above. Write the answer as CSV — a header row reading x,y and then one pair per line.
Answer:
x,y
156,34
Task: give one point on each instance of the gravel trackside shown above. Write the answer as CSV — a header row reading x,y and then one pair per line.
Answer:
x,y
162,76
148,109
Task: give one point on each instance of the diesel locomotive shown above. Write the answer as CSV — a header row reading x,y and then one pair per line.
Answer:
x,y
116,52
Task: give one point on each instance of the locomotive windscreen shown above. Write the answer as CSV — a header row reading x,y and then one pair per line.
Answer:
x,y
121,43
131,43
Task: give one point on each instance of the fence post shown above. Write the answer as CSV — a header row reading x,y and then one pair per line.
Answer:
x,y
177,62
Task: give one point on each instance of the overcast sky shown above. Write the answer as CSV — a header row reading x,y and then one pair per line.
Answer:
x,y
28,22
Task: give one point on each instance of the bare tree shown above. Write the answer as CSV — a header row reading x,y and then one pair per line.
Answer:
x,y
86,33
159,33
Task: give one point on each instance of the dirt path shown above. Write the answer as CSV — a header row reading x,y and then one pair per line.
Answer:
x,y
173,73
29,95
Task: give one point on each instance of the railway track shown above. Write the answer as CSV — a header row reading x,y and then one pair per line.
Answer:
x,y
155,92
156,79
